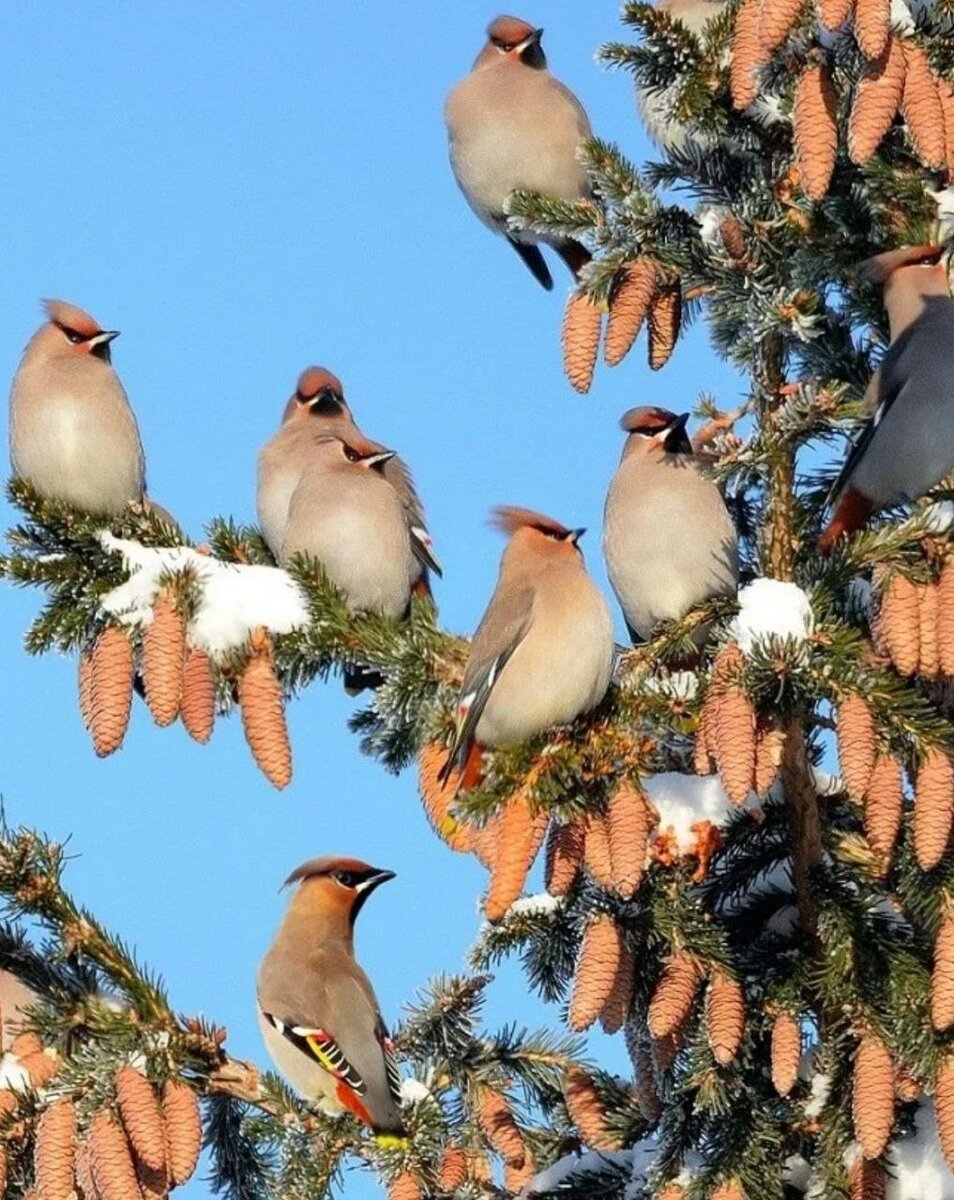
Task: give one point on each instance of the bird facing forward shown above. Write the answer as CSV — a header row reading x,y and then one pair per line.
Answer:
x,y
317,1010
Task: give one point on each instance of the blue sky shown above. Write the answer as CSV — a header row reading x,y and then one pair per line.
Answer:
x,y
244,189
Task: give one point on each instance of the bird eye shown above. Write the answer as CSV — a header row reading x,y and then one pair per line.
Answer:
x,y
345,878
351,455
73,336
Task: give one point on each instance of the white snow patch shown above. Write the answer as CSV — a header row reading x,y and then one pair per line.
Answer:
x,y
797,1172
917,1163
825,783
944,199
415,1092
710,217
578,1164
235,598
820,1087
540,905
12,1074
940,515
684,800
677,685
771,608
901,19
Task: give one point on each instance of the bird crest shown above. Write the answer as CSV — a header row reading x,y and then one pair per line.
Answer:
x,y
68,316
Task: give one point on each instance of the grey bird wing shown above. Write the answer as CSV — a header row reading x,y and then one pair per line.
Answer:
x,y
398,474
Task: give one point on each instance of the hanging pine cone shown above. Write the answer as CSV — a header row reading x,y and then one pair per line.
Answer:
x,y
180,1108
872,1102
647,1097
628,824
906,1087
725,1017
857,747
834,13
867,1180
453,1169
581,339
438,799
942,977
674,995
733,237
921,107
628,308
487,841
515,1179
596,971
163,659
729,1189
929,665
596,850
141,1117
746,54
703,746
111,1164
404,1187
263,712
586,1110
877,100
775,22
54,1152
944,1108
898,623
496,1122
933,808
665,320
769,744
564,856
521,832
872,26
42,1067
664,1051
198,695
111,688
734,726
154,1185
945,602
815,123
84,686
946,94
786,1052
884,804
618,1003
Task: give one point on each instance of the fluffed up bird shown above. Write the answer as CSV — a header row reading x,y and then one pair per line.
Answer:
x,y
513,127
317,1011
318,409
73,435
543,652
908,444
668,539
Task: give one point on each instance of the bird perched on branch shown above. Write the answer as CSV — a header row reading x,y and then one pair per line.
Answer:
x,y
318,409
668,538
908,444
513,127
543,653
73,435
317,1011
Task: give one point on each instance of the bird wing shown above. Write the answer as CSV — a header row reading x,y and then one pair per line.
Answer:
x,y
322,1047
398,475
534,260
390,1061
498,635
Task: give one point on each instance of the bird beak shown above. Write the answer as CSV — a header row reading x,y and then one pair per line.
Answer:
x,y
104,337
326,395
532,40
367,886
378,460
673,437
574,536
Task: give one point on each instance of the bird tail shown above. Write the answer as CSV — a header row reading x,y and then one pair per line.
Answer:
x,y
358,679
574,254
850,514
389,1139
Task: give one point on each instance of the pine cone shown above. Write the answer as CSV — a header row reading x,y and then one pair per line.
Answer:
x,y
586,1110
183,1129
582,321
198,695
628,824
703,747
665,320
942,977
154,1185
515,1179
521,832
872,26
674,995
564,856
786,1052
163,659
26,1044
42,1067
899,625
921,107
729,1189
872,1102
725,1017
647,1097
54,1152
263,713
619,1001
487,841
929,666
110,695
733,237
141,1117
746,54
628,308
866,1179
776,20
944,1108
933,808
596,971
834,13
596,850
815,122
438,799
664,1051
404,1187
884,802
857,747
906,1087
84,1173
946,94
945,605
769,744
734,726
496,1122
84,686
111,1164
453,1171
876,101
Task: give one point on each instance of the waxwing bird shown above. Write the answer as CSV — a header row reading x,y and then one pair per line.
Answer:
x,y
513,127
543,652
908,444
317,1011
73,435
668,539
317,409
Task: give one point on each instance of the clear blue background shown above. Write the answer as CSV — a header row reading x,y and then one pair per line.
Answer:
x,y
244,189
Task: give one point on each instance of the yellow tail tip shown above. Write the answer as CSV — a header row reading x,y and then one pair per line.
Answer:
x,y
391,1141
